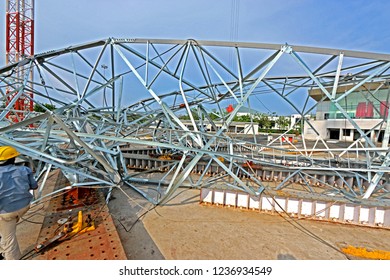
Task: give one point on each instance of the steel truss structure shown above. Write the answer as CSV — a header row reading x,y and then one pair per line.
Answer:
x,y
114,96
19,44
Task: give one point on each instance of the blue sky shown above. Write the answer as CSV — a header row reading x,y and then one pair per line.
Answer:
x,y
357,24
353,24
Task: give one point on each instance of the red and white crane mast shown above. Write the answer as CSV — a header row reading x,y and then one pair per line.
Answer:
x,y
19,44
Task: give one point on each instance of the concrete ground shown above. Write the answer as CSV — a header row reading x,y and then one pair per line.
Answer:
x,y
183,229
29,226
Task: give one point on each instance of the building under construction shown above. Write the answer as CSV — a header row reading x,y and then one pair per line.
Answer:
x,y
108,115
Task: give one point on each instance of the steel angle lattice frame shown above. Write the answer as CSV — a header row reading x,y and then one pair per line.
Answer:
x,y
19,44
151,114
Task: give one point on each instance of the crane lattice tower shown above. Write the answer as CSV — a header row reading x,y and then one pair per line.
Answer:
x,y
19,44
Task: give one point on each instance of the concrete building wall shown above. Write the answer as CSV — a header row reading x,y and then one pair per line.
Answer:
x,y
234,127
319,126
367,105
329,129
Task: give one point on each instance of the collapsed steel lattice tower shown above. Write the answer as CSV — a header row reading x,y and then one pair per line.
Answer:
x,y
117,96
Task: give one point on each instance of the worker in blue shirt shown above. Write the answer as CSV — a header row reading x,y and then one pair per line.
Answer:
x,y
15,197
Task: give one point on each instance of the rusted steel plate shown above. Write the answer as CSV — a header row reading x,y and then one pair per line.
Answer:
x,y
103,243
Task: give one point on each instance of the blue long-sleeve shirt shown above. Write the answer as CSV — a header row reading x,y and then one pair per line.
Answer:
x,y
15,185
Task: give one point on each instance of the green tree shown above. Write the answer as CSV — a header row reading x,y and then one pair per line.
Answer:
x,y
194,114
213,115
243,118
39,108
264,121
283,122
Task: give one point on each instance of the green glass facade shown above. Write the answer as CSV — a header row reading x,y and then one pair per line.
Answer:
x,y
358,105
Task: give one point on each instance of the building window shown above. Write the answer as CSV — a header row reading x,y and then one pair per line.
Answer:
x,y
346,132
334,134
367,133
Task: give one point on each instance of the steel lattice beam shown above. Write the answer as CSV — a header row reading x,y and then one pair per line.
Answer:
x,y
112,97
19,45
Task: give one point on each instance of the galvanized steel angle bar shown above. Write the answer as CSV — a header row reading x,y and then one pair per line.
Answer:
x,y
189,112
305,183
101,128
186,172
70,71
141,192
57,77
303,81
284,182
92,92
385,195
383,66
303,115
358,141
204,172
206,115
249,76
45,141
172,186
76,82
378,176
325,91
349,187
146,63
46,175
229,90
135,72
172,115
160,55
212,182
152,63
234,176
85,146
182,60
20,92
59,163
173,167
319,138
161,68
216,60
108,154
24,123
252,176
268,64
337,76
205,74
95,68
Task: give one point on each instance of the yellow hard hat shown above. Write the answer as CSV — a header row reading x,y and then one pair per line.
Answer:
x,y
7,152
